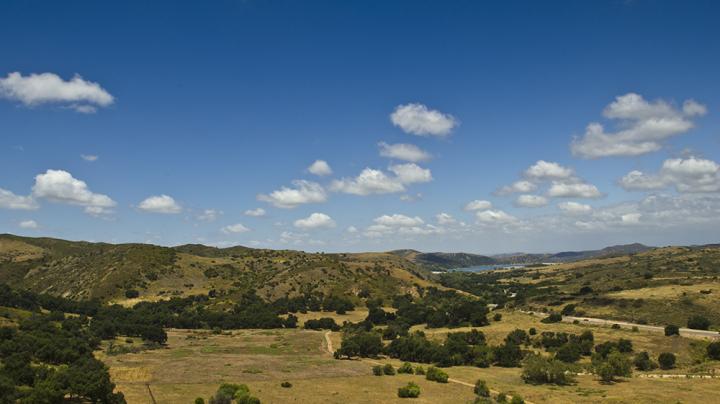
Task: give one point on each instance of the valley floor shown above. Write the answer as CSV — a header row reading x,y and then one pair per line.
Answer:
x,y
195,363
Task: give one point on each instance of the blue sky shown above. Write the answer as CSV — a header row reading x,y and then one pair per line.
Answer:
x,y
196,113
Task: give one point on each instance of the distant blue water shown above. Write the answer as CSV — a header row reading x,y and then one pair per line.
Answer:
x,y
480,268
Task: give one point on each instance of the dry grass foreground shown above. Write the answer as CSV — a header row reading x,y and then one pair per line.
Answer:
x,y
196,362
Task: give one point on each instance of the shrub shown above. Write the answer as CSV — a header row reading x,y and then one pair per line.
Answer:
x,y
698,323
552,318
411,390
643,362
286,385
406,368
666,360
517,337
568,310
377,370
569,353
497,317
389,370
199,400
532,331
419,370
517,400
360,344
538,370
247,399
713,350
624,345
132,293
508,355
615,326
481,388
612,366
671,330
436,375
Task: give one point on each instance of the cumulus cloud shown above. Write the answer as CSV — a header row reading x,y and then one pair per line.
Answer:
x,y
687,175
574,208
404,151
352,229
411,173
28,224
417,119
517,186
398,220
320,168
89,157
258,212
494,217
548,170
235,229
643,127
9,200
315,221
302,193
531,201
369,181
60,186
478,205
160,204
573,190
35,89
209,215
631,218
445,219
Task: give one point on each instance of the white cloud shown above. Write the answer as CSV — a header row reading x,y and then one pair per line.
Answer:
x,y
643,127
368,182
258,212
478,205
398,220
320,168
209,215
288,198
235,229
445,218
631,218
61,186
691,175
574,208
517,186
9,200
35,89
404,151
531,201
160,204
573,190
411,173
29,224
89,157
547,170
494,217
97,211
418,119
315,221
352,229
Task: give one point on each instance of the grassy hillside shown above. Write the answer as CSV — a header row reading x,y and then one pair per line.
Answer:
x,y
82,270
660,286
443,261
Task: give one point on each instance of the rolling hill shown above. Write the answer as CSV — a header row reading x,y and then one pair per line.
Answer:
x,y
83,270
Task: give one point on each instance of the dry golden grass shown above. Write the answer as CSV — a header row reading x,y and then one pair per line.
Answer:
x,y
17,251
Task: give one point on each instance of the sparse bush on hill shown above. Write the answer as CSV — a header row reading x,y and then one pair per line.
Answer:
x,y
481,389
406,368
552,318
362,343
436,375
671,330
325,323
389,370
538,370
132,293
698,322
411,390
666,360
378,370
713,350
643,362
611,366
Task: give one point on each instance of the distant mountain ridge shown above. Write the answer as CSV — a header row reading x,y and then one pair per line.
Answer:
x,y
444,261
